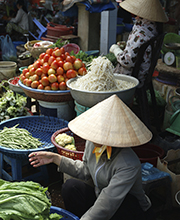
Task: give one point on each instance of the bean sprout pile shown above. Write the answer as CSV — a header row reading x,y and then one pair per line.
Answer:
x,y
100,77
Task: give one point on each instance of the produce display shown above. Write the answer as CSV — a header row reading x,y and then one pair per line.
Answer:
x,y
25,200
11,104
65,141
18,138
52,70
100,77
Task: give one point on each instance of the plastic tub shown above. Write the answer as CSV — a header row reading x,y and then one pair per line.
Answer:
x,y
71,47
80,108
149,153
7,69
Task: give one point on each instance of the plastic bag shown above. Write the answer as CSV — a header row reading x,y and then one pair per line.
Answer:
x,y
8,49
149,172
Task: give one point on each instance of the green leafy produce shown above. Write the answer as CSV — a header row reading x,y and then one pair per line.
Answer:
x,y
83,56
59,43
12,105
24,200
112,58
18,138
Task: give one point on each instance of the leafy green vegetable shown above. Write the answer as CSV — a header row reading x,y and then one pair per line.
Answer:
x,y
18,138
112,58
24,200
12,105
83,56
59,43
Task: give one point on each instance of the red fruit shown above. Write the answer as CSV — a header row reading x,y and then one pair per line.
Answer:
x,y
30,66
47,88
63,56
45,81
57,52
55,86
24,81
51,71
25,71
62,50
77,64
46,57
69,59
22,77
37,64
60,71
62,86
34,84
61,63
51,59
58,59
82,71
52,78
41,56
39,72
45,67
71,74
32,71
40,86
67,54
54,64
67,66
60,78
35,77
49,51
28,82
27,75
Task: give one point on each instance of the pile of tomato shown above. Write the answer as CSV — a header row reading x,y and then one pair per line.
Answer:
x,y
52,70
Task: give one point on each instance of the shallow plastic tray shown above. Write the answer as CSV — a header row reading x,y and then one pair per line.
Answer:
x,y
66,215
41,127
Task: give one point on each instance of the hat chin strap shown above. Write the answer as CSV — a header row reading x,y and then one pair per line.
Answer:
x,y
98,151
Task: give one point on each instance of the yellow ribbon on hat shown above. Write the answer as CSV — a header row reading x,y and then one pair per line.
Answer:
x,y
98,151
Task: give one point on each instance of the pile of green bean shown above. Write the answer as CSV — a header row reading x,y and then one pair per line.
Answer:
x,y
18,138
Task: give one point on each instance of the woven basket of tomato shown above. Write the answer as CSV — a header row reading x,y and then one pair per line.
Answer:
x,y
48,75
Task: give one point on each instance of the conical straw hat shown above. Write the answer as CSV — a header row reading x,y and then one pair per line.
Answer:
x,y
111,123
149,9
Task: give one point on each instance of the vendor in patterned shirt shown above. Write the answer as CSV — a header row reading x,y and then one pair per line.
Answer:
x,y
148,24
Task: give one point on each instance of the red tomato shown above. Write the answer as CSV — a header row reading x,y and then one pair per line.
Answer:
x,y
25,71
39,72
37,64
62,50
46,58
51,59
60,71
62,86
71,73
49,51
69,59
82,71
67,54
45,67
41,56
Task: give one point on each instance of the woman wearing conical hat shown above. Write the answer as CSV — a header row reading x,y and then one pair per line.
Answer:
x,y
149,19
109,163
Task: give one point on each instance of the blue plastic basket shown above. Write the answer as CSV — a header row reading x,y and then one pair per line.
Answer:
x,y
41,127
66,215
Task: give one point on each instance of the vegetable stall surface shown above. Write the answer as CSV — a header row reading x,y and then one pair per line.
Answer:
x,y
24,200
18,138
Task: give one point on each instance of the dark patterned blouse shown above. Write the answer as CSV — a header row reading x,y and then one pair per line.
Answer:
x,y
143,30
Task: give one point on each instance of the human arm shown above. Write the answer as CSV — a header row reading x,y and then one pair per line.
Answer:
x,y
40,158
18,17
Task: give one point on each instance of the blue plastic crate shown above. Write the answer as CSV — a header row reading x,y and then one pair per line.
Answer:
x,y
66,215
41,127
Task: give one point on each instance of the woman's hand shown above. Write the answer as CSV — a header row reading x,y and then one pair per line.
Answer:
x,y
40,158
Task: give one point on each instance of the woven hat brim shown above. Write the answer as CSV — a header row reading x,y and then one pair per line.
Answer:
x,y
111,123
149,9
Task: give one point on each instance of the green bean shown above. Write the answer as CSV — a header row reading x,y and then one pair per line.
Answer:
x,y
18,138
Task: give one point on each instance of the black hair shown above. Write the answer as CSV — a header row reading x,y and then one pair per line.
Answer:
x,y
21,3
